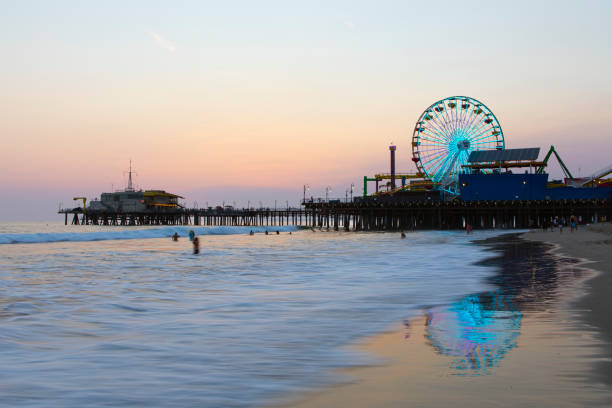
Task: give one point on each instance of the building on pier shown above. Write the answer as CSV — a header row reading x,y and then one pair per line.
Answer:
x,y
130,200
491,175
136,201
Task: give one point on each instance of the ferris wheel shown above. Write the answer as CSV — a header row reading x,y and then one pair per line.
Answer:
x,y
447,132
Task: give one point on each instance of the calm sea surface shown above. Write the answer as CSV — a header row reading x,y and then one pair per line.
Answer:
x,y
125,317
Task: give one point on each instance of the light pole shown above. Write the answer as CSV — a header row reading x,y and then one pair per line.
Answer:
x,y
346,196
352,189
249,205
327,190
306,188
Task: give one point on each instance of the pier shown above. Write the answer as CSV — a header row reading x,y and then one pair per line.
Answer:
x,y
368,215
189,216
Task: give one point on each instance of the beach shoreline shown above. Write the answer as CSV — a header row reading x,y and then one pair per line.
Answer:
x,y
592,244
558,345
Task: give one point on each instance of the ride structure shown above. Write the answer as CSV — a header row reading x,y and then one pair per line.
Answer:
x,y
551,151
447,132
445,135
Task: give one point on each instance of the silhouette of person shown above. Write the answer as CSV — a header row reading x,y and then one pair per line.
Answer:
x,y
196,246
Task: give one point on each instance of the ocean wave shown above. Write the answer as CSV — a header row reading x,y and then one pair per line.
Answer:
x,y
162,232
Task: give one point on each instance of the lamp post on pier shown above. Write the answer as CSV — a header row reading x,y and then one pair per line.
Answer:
x,y
352,189
306,188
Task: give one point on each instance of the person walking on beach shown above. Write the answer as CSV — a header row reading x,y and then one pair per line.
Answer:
x,y
191,235
573,223
403,235
196,246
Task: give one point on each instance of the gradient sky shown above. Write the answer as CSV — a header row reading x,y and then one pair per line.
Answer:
x,y
250,100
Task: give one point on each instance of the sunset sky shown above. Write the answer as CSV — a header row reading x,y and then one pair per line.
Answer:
x,y
251,100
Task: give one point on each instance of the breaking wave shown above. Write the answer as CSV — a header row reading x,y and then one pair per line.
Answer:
x,y
161,232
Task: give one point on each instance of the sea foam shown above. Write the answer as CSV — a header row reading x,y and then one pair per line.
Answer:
x,y
127,233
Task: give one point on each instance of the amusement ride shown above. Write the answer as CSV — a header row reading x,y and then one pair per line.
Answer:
x,y
447,132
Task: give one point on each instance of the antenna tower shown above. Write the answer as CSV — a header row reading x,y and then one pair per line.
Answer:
x,y
130,186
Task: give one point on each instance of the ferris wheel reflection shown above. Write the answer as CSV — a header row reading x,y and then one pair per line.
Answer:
x,y
478,331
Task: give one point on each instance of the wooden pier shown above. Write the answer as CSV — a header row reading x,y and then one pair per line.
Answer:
x,y
368,215
194,216
448,215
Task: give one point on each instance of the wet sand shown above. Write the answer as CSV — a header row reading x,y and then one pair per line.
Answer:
x,y
593,244
533,340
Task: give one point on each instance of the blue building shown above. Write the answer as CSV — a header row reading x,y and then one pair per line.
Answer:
x,y
508,186
488,177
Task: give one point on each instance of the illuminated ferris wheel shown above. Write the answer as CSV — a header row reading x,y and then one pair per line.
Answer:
x,y
447,132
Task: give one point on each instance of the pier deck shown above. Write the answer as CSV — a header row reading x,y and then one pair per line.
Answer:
x,y
368,215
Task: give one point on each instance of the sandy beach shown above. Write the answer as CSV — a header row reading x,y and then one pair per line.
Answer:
x,y
593,244
543,341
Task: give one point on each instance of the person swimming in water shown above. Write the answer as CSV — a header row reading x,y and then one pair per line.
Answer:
x,y
251,233
403,235
175,237
196,246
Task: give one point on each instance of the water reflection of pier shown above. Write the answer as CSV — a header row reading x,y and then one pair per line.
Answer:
x,y
480,329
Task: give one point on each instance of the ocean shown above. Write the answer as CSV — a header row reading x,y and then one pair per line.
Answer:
x,y
124,316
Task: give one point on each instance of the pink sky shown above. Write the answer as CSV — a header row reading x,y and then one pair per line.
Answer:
x,y
260,107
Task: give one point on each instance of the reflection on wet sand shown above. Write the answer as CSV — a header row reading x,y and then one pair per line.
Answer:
x,y
478,334
519,344
479,330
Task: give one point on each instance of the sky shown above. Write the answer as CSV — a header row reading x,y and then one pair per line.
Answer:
x,y
247,102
